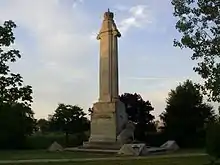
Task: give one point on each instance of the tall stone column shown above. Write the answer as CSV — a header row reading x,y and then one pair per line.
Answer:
x,y
109,116
108,76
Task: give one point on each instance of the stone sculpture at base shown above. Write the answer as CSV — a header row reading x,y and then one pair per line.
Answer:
x,y
55,147
127,134
109,117
132,149
170,145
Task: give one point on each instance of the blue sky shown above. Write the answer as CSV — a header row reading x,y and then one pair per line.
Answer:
x,y
60,53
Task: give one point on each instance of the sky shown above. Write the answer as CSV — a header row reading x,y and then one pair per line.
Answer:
x,y
60,53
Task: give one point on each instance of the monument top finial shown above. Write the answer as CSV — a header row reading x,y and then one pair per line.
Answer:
x,y
108,15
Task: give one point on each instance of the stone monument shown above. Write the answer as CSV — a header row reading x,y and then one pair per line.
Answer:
x,y
109,116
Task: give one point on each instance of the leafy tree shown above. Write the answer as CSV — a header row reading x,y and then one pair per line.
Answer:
x,y
139,111
186,115
43,125
16,116
199,22
69,119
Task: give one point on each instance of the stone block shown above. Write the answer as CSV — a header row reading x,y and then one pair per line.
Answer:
x,y
107,121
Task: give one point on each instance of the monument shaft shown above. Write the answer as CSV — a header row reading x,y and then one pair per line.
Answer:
x,y
108,76
108,117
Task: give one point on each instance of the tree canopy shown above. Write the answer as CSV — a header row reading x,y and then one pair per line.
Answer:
x,y
43,125
198,22
69,119
16,115
186,115
139,111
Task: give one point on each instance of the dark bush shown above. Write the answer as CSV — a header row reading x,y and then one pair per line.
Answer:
x,y
213,140
155,139
43,141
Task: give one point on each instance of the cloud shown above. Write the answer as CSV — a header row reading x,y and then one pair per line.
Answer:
x,y
57,37
151,78
120,7
156,89
140,16
54,41
76,3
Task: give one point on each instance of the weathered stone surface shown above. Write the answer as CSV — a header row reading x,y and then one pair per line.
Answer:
x,y
107,121
170,145
127,134
102,145
132,149
55,147
109,115
108,75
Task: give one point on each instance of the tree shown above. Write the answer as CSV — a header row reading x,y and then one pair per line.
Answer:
x,y
199,22
43,125
16,116
185,115
139,111
69,119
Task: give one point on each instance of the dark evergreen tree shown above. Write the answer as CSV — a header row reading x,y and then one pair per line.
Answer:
x,y
185,115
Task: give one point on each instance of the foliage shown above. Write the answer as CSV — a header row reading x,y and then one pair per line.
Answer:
x,y
212,140
186,115
16,116
16,123
11,85
69,119
156,138
43,125
199,22
139,111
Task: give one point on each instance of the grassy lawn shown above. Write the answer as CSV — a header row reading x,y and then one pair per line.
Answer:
x,y
191,151
200,160
152,160
43,154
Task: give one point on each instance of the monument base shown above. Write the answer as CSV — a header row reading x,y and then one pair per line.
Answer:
x,y
101,145
108,119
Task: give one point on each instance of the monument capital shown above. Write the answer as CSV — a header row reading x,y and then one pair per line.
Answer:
x,y
108,15
108,27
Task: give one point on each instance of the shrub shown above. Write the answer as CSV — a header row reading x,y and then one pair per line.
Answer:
x,y
213,140
43,141
156,139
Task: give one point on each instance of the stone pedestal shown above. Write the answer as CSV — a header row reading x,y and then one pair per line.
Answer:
x,y
107,121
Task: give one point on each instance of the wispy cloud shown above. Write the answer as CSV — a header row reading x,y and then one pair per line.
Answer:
x,y
55,40
76,3
150,78
139,16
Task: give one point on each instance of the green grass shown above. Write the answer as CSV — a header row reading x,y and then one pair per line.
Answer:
x,y
191,151
152,160
43,154
200,160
